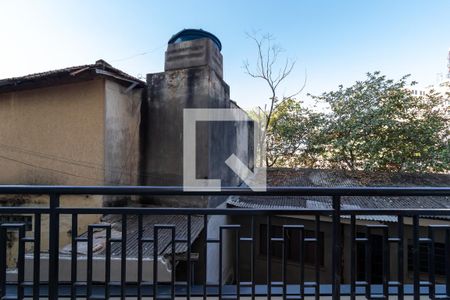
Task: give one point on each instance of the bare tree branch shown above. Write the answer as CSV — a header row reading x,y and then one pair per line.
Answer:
x,y
294,94
265,68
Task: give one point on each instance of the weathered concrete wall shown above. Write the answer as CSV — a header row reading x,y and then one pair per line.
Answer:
x,y
53,136
194,53
193,79
228,138
168,94
225,138
122,137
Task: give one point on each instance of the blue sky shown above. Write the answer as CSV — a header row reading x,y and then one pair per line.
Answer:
x,y
337,42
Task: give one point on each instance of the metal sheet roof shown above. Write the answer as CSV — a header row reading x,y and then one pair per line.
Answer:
x,y
335,178
149,221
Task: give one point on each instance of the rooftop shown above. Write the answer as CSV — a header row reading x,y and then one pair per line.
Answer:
x,y
340,178
148,222
67,75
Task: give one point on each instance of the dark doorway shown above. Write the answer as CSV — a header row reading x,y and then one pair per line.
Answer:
x,y
376,246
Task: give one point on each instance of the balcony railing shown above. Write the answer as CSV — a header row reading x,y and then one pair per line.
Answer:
x,y
344,266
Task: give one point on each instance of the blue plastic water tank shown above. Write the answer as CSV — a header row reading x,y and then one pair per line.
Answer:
x,y
194,34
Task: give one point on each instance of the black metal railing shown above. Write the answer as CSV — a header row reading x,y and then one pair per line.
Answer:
x,y
346,265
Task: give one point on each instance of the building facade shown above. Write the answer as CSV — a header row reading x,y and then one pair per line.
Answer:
x,y
318,233
75,126
96,125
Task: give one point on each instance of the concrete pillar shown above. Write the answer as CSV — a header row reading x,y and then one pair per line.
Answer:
x,y
192,79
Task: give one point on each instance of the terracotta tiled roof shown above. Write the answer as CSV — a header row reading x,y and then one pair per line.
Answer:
x,y
99,68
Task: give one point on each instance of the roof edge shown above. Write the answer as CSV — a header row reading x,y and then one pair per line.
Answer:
x,y
67,75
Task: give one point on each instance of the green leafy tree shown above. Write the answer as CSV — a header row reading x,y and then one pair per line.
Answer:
x,y
377,124
293,136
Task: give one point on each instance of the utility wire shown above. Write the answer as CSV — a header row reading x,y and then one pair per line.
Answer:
x,y
48,169
87,164
84,164
139,54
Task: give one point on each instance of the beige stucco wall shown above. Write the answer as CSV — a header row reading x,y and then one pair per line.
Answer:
x,y
122,137
54,135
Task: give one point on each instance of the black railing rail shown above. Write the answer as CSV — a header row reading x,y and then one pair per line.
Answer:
x,y
239,191
335,286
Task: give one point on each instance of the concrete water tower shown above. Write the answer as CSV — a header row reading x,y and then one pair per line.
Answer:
x,y
192,78
194,48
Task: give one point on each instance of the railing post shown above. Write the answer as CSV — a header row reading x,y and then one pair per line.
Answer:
x,y
336,259
401,237
53,248
447,262
3,242
416,257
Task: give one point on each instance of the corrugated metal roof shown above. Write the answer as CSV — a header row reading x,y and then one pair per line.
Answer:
x,y
336,178
149,221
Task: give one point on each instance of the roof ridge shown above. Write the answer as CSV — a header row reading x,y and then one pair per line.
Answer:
x,y
100,63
